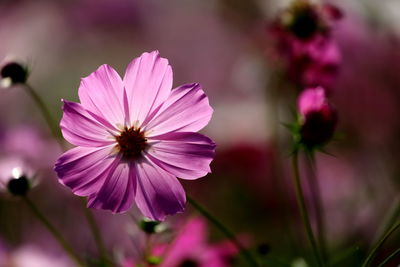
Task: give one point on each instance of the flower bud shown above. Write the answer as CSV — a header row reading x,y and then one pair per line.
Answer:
x,y
15,176
13,73
18,186
318,118
149,226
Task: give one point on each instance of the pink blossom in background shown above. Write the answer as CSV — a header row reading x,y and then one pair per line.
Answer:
x,y
191,248
134,136
318,62
32,256
25,152
29,144
303,37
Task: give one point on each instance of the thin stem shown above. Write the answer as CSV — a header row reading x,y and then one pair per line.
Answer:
x,y
245,253
379,244
68,249
51,123
338,259
389,219
95,232
315,190
273,90
303,208
390,257
147,250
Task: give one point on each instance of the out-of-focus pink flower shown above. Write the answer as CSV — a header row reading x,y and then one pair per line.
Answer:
x,y
135,136
191,248
32,256
302,34
316,62
28,143
24,153
318,117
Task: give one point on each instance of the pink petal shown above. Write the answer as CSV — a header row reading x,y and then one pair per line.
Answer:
x,y
81,129
148,82
158,193
83,169
185,155
102,93
118,191
189,243
311,99
186,110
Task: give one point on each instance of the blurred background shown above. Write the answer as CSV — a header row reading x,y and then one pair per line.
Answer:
x,y
225,45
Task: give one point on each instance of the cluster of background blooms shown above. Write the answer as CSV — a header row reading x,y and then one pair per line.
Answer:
x,y
311,45
303,36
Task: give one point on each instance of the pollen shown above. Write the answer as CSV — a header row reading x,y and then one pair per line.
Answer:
x,y
131,143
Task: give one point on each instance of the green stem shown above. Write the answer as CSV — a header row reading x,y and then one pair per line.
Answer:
x,y
389,258
147,250
51,123
68,249
315,190
379,244
303,208
245,253
389,219
95,232
338,259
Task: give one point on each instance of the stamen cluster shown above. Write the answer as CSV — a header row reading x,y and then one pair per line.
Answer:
x,y
131,143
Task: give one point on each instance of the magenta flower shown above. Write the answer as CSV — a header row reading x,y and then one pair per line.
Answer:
x,y
191,248
135,136
318,117
304,40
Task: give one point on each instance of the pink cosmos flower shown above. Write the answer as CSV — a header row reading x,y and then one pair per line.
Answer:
x,y
134,136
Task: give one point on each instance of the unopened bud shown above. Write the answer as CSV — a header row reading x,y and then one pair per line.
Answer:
x,y
318,118
13,73
18,186
149,227
302,19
